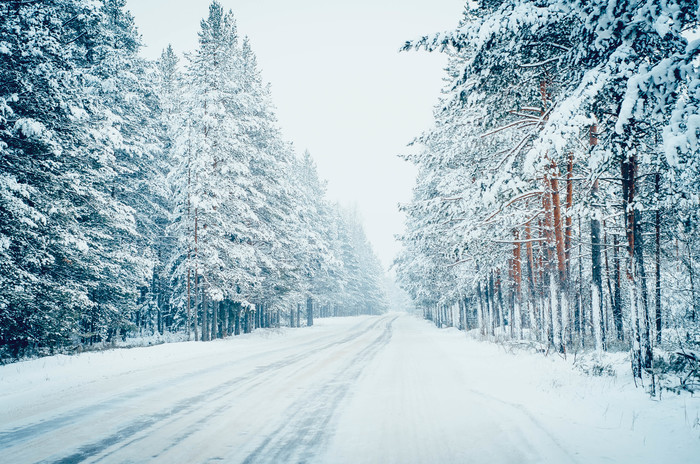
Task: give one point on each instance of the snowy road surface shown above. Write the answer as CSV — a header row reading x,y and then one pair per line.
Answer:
x,y
389,389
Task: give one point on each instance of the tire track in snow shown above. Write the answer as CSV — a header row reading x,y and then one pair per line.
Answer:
x,y
27,432
213,397
304,431
181,408
529,417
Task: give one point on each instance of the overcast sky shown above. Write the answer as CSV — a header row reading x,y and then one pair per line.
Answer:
x,y
341,89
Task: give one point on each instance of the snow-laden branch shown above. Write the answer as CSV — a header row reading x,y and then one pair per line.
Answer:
x,y
512,151
525,115
522,196
529,220
75,38
461,261
525,123
514,242
540,63
550,44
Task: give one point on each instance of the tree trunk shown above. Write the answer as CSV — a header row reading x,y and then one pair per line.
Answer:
x,y
237,320
189,249
550,308
543,260
500,307
517,288
611,296
196,305
480,310
189,300
579,298
617,307
470,313
642,354
196,276
531,283
568,239
227,319
309,312
596,277
644,294
215,320
569,205
636,339
691,276
205,317
554,321
657,181
562,277
628,199
490,299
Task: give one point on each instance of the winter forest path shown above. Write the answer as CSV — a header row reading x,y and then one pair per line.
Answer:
x,y
387,389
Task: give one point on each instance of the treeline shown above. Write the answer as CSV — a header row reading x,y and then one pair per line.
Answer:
x,y
558,192
140,197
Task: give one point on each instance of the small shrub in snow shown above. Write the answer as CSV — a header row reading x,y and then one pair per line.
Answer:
x,y
678,371
596,368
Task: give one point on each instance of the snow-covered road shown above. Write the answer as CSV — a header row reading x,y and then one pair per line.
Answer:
x,y
354,390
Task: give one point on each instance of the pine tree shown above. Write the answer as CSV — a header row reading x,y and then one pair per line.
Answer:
x,y
62,143
593,92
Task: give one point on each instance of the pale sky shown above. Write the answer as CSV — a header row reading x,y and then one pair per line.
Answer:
x,y
341,88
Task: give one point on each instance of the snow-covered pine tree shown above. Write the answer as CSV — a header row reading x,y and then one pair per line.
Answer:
x,y
125,95
315,258
367,284
214,222
623,71
168,87
271,170
37,95
60,164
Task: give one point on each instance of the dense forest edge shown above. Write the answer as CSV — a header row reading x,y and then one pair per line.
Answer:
x,y
141,198
558,191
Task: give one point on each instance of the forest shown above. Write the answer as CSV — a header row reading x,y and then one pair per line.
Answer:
x,y
543,305
141,198
557,198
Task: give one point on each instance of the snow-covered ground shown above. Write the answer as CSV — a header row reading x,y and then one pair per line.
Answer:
x,y
353,390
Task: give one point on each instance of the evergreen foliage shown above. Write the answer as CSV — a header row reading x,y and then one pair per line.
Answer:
x,y
566,139
139,198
